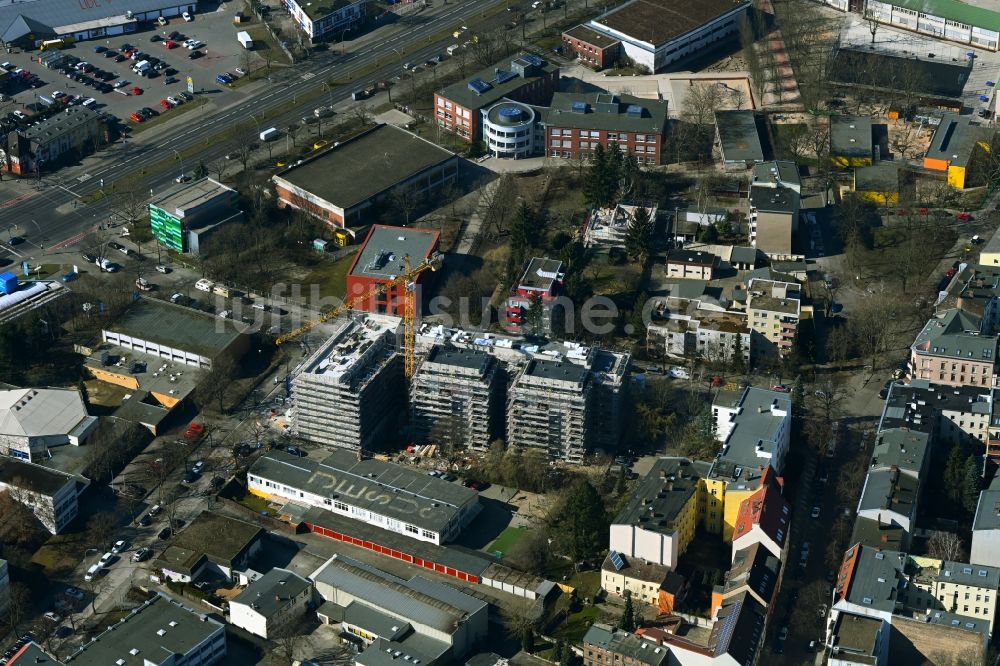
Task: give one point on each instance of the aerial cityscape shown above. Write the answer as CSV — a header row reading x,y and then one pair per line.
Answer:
x,y
499,333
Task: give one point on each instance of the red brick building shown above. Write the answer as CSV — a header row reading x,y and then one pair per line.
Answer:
x,y
576,123
381,259
542,277
591,47
458,108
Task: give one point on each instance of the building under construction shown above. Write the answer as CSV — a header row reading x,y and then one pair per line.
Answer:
x,y
549,407
348,391
456,398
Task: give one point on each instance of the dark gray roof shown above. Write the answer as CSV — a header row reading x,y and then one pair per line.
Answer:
x,y
462,357
563,371
777,171
375,621
956,334
392,490
176,326
539,274
364,166
384,249
32,477
463,95
624,643
918,405
988,509
900,447
472,562
661,494
856,636
738,135
971,575
739,629
67,122
657,22
591,36
851,136
955,139
32,654
692,257
774,199
273,591
888,490
417,600
976,624
157,630
880,178
869,532
606,111
875,578
743,255
756,568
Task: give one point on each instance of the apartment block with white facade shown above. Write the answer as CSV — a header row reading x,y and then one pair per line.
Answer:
x,y
51,495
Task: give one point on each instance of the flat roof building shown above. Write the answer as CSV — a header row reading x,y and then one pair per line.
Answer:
x,y
212,543
542,277
382,258
774,215
953,145
344,392
550,408
777,173
185,215
857,639
737,139
24,23
986,527
342,184
391,496
51,495
428,621
851,141
175,333
658,33
456,398
270,603
972,22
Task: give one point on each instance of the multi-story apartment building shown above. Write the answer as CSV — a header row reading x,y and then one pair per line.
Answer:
x,y
951,350
856,640
575,124
76,131
773,313
344,391
386,495
737,139
550,407
603,645
756,571
542,279
947,414
456,398
985,547
968,590
459,107
713,336
890,498
975,289
774,218
51,495
764,518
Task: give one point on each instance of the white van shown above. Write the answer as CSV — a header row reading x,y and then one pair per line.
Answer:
x,y
93,572
269,133
141,66
204,285
454,47
221,290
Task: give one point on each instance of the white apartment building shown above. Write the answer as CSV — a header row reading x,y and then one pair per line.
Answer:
x,y
271,602
51,495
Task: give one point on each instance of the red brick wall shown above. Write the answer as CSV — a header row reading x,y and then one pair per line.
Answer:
x,y
591,54
288,198
651,154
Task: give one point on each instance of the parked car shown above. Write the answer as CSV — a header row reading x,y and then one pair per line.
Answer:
x,y
295,451
106,559
164,533
119,546
145,521
815,512
52,617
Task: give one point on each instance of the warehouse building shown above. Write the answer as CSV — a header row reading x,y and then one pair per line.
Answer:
x,y
186,215
382,258
34,420
417,621
176,334
27,24
658,33
344,391
972,22
456,398
344,185
392,497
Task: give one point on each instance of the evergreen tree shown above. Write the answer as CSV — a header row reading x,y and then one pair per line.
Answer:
x,y
528,640
954,473
798,395
535,320
557,651
708,234
628,617
581,522
639,235
971,484
523,231
200,171
595,183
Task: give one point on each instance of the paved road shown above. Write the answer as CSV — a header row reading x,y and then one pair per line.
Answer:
x,y
46,212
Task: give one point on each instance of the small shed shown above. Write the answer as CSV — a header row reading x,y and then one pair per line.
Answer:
x,y
320,245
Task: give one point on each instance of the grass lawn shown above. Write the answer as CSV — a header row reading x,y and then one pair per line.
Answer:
x,y
258,504
60,554
576,625
331,276
507,539
586,583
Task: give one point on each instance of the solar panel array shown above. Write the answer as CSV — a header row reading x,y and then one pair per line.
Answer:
x,y
579,107
617,561
479,86
634,110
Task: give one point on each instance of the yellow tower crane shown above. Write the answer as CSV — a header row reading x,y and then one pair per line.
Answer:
x,y
407,278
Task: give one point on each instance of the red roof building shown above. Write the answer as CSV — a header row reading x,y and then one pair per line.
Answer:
x,y
382,258
764,517
544,278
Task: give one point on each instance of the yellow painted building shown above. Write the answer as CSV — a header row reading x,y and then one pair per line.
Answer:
x,y
953,148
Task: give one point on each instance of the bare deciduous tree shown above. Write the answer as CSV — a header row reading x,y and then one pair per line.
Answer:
x,y
946,546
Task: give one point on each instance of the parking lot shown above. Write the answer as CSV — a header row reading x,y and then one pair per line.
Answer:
x,y
219,52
